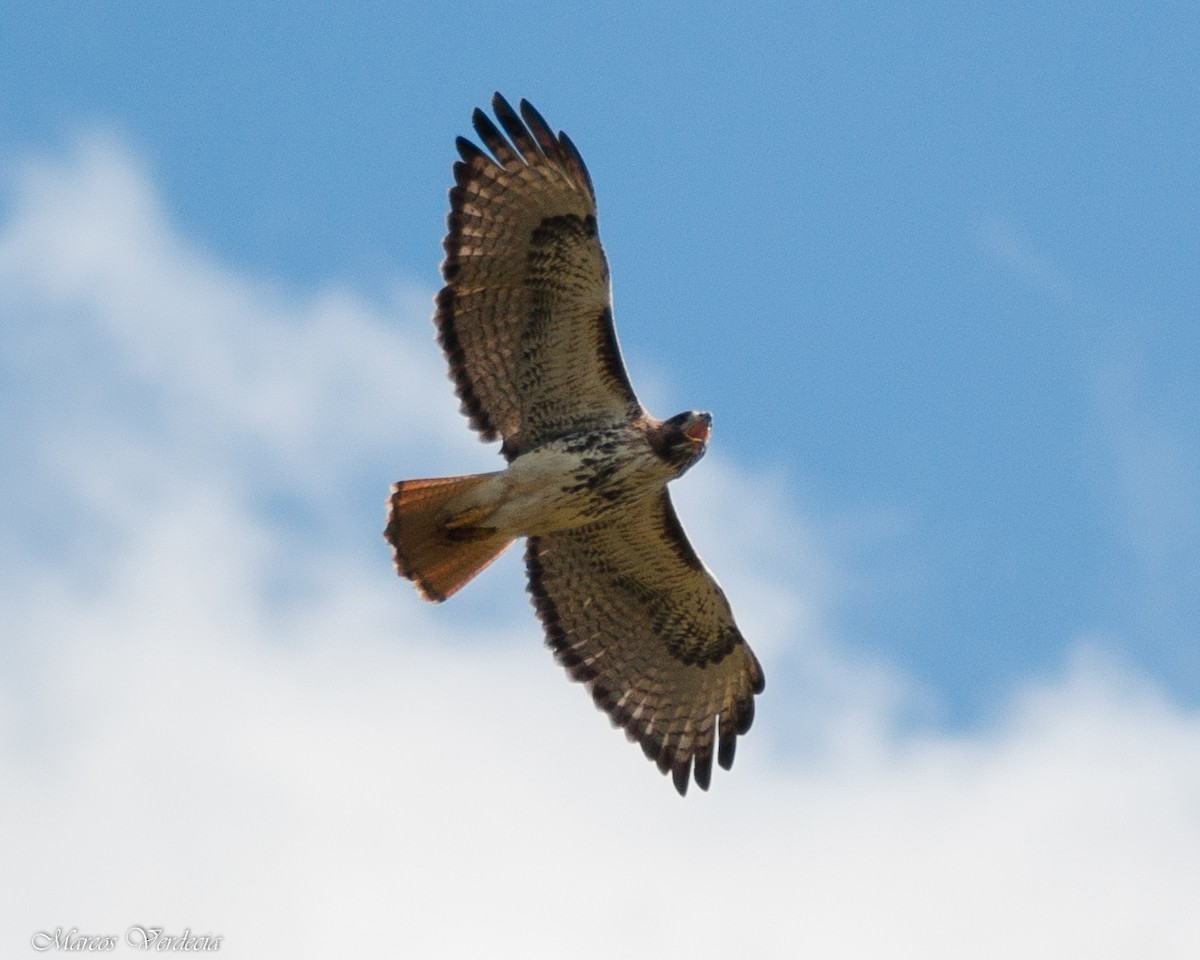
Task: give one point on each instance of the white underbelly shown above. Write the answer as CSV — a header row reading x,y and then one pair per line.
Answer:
x,y
547,490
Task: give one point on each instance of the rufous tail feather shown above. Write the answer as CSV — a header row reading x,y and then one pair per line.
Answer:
x,y
436,546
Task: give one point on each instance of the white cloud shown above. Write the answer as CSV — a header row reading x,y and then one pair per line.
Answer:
x,y
220,716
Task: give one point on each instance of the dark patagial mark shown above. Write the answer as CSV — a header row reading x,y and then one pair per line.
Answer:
x,y
554,231
610,356
677,538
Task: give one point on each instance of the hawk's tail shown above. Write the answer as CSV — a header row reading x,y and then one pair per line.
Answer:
x,y
437,545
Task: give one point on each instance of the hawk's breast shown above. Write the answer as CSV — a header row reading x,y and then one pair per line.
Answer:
x,y
575,480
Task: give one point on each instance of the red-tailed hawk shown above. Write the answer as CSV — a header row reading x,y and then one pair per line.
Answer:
x,y
525,321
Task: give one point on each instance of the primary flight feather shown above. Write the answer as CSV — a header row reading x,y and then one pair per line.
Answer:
x,y
525,321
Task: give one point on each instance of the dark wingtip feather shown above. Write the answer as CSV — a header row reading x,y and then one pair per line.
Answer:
x,y
745,710
532,117
702,767
665,757
515,128
468,150
727,749
578,167
499,102
758,680
544,135
681,774
493,139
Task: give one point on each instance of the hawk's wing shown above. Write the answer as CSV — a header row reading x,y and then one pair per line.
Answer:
x,y
525,318
631,610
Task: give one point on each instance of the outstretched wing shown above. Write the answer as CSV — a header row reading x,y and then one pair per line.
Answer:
x,y
525,318
631,611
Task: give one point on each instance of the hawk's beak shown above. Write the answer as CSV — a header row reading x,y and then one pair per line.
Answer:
x,y
698,431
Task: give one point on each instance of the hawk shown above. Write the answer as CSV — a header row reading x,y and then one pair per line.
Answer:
x,y
525,321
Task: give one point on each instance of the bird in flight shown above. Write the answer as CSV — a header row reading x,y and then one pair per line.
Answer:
x,y
525,322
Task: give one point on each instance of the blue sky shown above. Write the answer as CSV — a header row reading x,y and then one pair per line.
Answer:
x,y
934,271
935,265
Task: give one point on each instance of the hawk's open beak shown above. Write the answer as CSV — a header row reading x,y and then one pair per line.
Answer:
x,y
698,431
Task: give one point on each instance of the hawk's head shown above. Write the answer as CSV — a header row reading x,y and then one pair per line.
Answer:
x,y
682,440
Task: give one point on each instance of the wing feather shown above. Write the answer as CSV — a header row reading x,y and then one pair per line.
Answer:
x,y
525,317
517,131
550,144
632,612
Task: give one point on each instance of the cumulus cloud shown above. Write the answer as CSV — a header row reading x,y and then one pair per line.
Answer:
x,y
222,712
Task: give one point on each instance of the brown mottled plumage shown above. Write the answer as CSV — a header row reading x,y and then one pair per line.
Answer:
x,y
525,321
